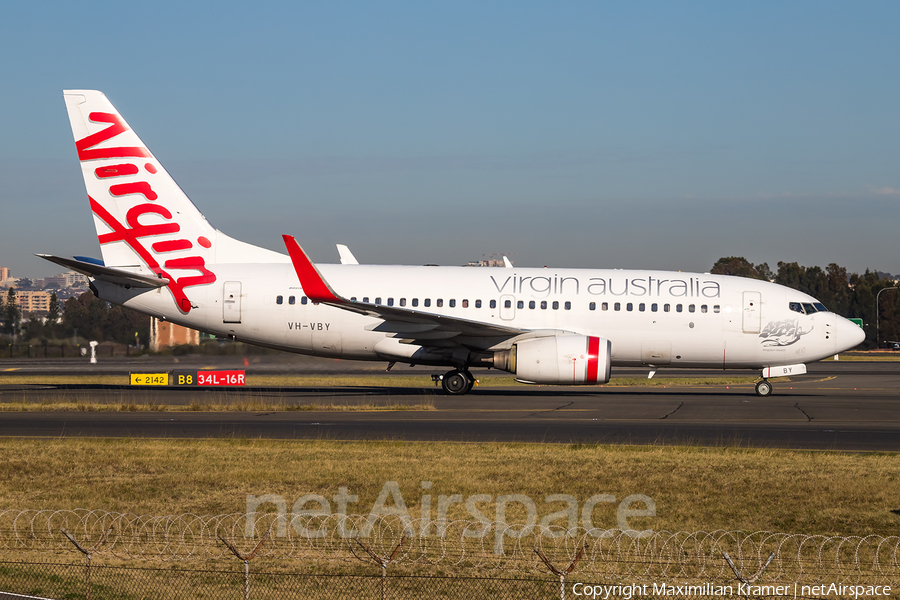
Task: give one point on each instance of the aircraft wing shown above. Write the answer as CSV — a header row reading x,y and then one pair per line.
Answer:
x,y
420,326
108,274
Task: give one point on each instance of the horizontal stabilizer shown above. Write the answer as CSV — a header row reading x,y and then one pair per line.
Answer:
x,y
108,274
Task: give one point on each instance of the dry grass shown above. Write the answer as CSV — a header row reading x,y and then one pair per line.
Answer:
x,y
222,405
694,489
874,356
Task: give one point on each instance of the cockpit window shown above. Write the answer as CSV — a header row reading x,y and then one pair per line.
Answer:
x,y
807,308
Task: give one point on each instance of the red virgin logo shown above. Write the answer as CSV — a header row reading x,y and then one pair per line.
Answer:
x,y
133,231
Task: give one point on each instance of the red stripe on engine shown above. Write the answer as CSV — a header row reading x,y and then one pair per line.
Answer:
x,y
593,365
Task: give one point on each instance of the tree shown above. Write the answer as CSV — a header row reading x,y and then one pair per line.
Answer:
x,y
741,267
52,324
97,320
11,313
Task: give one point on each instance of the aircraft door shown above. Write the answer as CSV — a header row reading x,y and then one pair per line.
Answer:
x,y
752,312
507,307
231,302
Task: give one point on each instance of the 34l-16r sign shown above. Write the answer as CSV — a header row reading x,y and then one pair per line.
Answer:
x,y
208,378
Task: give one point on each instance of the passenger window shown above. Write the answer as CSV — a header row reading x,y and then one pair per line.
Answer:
x,y
465,304
378,300
543,305
304,300
402,301
654,307
415,302
641,307
531,304
715,308
667,307
678,308
690,308
592,306
520,304
427,302
629,307
279,300
390,301
493,304
366,299
291,300
440,302
703,308
555,305
617,306
568,306
452,303
478,304
604,306
507,304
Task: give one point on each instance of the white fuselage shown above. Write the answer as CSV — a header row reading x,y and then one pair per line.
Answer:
x,y
651,317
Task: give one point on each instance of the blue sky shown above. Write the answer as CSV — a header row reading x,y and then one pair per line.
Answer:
x,y
583,134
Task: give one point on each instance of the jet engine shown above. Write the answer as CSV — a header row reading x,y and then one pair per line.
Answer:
x,y
561,359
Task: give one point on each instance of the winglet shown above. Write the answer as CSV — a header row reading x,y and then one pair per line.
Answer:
x,y
347,257
314,285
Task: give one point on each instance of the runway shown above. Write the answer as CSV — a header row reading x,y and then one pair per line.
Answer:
x,y
846,406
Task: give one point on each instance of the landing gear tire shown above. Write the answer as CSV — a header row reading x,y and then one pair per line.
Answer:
x,y
763,388
457,383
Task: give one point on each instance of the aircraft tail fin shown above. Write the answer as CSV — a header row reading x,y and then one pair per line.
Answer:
x,y
145,223
142,217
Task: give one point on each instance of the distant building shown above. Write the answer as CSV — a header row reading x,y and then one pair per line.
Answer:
x,y
164,334
490,262
4,275
32,302
497,259
66,280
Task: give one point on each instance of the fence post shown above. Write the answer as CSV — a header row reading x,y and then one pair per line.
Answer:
x,y
737,573
87,553
383,562
561,574
246,558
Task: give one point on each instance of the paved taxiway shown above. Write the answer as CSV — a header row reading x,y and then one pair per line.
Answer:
x,y
840,406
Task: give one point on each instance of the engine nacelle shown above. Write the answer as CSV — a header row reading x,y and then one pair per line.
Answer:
x,y
562,359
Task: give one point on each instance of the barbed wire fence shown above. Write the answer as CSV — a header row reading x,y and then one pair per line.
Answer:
x,y
406,550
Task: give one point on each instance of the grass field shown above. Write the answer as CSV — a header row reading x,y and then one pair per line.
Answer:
x,y
693,488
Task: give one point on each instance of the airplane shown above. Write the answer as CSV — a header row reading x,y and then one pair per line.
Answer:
x,y
161,256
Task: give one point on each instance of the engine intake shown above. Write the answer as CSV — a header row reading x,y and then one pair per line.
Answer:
x,y
562,359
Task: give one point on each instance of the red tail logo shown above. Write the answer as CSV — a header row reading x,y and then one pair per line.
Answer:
x,y
134,231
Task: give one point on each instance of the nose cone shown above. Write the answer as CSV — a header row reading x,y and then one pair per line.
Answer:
x,y
849,334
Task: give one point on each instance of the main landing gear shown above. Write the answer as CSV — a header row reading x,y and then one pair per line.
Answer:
x,y
457,382
763,388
